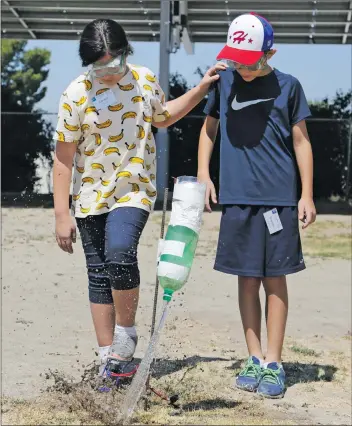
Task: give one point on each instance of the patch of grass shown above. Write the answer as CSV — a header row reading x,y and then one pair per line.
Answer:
x,y
304,351
327,239
204,387
16,412
347,337
324,239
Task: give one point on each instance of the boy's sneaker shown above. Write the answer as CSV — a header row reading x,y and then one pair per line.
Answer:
x,y
249,377
272,383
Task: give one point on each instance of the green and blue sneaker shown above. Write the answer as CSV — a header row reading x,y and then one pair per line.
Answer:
x,y
249,378
272,382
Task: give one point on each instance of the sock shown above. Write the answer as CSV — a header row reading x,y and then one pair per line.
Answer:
x,y
261,361
130,331
265,364
103,353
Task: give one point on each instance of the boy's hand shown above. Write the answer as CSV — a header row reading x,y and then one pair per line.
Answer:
x,y
212,75
210,192
306,211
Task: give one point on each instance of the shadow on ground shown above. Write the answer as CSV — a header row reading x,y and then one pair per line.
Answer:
x,y
210,404
298,372
164,367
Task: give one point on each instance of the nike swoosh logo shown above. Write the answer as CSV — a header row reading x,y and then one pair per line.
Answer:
x,y
236,106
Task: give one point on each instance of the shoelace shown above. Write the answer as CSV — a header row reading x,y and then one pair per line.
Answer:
x,y
271,376
250,370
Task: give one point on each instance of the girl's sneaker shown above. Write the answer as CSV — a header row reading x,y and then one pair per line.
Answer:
x,y
249,378
120,357
272,383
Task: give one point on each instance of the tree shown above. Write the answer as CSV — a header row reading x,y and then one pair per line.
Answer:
x,y
26,138
184,137
330,137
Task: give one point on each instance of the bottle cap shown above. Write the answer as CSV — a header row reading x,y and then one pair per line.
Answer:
x,y
168,294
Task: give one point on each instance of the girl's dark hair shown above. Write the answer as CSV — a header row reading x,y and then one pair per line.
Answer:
x,y
101,37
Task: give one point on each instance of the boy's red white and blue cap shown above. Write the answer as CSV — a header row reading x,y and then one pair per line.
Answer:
x,y
249,36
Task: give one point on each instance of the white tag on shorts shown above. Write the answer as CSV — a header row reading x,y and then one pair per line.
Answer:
x,y
273,221
103,100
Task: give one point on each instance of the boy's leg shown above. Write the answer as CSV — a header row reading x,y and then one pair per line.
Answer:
x,y
283,257
92,231
251,314
124,227
272,383
241,252
277,308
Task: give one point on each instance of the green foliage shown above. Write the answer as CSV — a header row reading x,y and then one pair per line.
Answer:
x,y
184,137
330,141
25,138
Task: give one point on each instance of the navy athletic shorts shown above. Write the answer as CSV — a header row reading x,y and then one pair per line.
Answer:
x,y
246,248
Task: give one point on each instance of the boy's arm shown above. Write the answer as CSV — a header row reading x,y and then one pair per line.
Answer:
x,y
304,156
205,150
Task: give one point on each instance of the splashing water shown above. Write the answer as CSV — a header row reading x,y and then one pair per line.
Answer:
x,y
138,383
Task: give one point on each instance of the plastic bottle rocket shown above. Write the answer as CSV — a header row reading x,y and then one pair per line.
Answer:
x,y
178,248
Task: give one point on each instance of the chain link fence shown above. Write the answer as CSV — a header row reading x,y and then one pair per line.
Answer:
x,y
27,151
331,143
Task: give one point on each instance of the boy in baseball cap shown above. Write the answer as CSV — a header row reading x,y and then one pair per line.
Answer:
x,y
261,112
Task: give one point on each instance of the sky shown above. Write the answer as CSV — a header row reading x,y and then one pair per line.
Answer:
x,y
321,69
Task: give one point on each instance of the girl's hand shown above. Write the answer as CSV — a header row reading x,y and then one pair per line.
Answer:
x,y
65,230
212,75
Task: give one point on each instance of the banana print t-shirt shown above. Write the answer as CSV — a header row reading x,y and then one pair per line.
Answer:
x,y
115,161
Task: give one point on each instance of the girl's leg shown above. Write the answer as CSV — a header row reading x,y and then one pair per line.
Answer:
x,y
123,229
277,309
126,303
251,314
92,231
104,322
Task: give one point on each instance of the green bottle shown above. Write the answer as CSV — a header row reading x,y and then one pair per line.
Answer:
x,y
182,235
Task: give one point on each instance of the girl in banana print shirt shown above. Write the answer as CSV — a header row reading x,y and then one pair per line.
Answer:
x,y
104,131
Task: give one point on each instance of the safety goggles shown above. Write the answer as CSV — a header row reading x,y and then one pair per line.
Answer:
x,y
114,67
255,67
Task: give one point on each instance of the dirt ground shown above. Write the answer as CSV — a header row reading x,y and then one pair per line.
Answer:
x,y
46,325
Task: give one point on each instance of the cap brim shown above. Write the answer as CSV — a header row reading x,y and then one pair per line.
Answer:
x,y
244,57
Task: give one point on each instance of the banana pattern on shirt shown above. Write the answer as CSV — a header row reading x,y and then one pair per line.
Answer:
x,y
115,161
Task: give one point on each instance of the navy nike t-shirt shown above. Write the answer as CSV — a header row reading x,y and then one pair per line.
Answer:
x,y
257,163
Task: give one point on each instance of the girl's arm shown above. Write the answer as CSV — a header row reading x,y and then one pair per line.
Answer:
x,y
181,106
62,173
